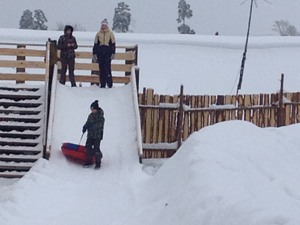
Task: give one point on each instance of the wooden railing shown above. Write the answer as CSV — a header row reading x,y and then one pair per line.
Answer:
x,y
85,70
27,62
22,62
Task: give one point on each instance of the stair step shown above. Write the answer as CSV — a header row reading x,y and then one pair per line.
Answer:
x,y
20,104
18,127
16,89
20,97
18,143
20,151
18,158
22,167
20,119
12,174
20,112
19,135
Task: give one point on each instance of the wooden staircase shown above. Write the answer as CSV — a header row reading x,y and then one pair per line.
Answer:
x,y
21,128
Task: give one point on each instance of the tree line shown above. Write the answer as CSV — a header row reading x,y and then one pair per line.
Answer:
x,y
37,20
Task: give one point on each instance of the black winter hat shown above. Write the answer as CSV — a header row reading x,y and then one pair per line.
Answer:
x,y
68,27
95,105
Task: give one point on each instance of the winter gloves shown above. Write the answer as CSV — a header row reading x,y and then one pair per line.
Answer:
x,y
95,59
83,130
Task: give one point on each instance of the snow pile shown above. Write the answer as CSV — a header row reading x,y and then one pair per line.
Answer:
x,y
231,173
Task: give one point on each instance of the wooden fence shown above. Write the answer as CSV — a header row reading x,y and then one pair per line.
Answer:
x,y
166,120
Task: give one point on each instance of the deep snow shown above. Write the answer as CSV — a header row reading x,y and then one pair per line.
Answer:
x,y
231,173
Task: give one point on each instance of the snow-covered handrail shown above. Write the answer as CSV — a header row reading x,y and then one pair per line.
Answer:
x,y
46,93
51,112
137,114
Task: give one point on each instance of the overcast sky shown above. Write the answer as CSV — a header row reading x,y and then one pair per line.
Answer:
x,y
228,17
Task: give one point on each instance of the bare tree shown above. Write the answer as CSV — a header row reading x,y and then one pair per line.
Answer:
x,y
284,28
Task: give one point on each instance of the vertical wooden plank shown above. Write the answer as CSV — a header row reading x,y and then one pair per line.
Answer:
x,y
166,120
255,114
219,113
148,128
298,114
160,126
143,114
192,115
186,126
247,112
240,104
261,117
227,113
206,113
287,115
155,120
267,100
174,120
213,100
255,100
229,100
293,114
199,113
273,117
233,114
247,100
267,116
254,117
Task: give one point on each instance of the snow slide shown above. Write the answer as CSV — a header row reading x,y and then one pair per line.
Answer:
x,y
88,192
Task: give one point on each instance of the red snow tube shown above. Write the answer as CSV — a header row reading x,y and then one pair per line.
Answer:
x,y
74,152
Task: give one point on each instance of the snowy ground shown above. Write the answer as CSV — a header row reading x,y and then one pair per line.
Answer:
x,y
231,173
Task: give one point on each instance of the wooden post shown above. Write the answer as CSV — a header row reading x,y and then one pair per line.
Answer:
x,y
137,78
180,118
281,109
136,55
130,62
219,113
21,58
52,60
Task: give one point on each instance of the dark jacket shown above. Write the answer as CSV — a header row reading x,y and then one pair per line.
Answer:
x,y
95,125
63,41
104,43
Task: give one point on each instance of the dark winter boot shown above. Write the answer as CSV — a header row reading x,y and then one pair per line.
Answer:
x,y
88,162
98,166
98,161
109,81
87,165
